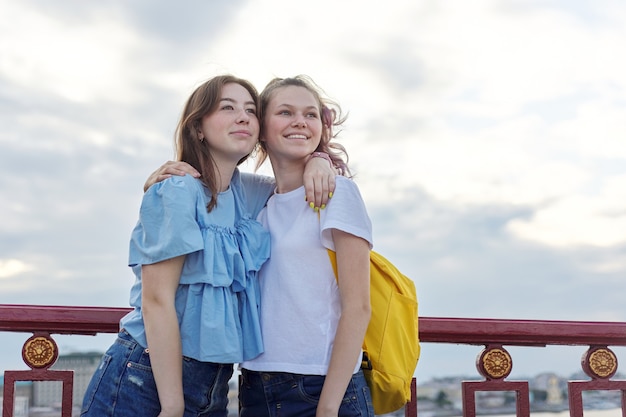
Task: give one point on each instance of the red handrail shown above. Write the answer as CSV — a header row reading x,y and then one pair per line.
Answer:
x,y
60,319
91,320
521,332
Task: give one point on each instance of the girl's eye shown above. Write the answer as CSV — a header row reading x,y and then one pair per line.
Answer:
x,y
251,111
312,115
227,107
284,112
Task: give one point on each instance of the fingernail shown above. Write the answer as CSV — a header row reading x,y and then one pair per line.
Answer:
x,y
323,206
311,205
330,195
316,209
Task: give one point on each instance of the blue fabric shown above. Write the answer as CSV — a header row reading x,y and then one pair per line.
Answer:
x,y
258,189
281,394
123,385
217,300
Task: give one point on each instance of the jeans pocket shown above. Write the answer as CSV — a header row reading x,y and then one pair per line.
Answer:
x,y
206,387
95,382
310,387
357,401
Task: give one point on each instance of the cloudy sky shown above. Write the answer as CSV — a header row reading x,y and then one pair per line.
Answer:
x,y
488,139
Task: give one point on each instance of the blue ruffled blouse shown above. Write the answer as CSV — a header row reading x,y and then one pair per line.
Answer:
x,y
217,300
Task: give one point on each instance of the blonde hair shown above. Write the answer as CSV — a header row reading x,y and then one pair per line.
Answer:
x,y
330,112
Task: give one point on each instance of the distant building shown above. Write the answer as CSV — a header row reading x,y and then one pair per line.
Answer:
x,y
49,393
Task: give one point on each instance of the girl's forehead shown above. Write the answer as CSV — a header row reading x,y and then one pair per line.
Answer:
x,y
234,89
293,94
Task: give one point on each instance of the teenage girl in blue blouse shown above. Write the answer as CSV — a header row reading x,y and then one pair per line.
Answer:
x,y
195,252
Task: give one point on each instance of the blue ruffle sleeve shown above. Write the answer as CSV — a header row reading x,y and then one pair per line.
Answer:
x,y
167,225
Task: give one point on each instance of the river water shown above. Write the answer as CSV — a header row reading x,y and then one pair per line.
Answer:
x,y
615,412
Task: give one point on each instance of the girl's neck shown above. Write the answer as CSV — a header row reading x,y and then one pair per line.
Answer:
x,y
223,175
288,174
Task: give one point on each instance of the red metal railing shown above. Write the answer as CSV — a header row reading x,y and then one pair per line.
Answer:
x,y
494,362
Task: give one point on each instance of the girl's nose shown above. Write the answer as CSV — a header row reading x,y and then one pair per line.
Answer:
x,y
244,117
299,122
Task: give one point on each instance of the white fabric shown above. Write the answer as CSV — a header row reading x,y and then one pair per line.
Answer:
x,y
300,301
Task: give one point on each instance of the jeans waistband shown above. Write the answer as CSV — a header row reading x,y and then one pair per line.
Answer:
x,y
124,338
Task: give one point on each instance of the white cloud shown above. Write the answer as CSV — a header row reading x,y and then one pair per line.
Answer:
x,y
13,267
598,219
598,129
514,108
79,61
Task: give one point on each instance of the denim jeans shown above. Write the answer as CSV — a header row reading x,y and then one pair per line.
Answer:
x,y
124,386
280,394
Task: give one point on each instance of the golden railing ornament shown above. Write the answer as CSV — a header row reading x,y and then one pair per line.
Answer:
x,y
494,362
40,351
599,362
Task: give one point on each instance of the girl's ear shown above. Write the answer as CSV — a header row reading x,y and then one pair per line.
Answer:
x,y
195,132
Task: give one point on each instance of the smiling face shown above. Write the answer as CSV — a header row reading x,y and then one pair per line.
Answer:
x,y
292,126
232,130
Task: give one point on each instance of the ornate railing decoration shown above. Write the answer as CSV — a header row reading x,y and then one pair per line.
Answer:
x,y
495,363
40,352
600,364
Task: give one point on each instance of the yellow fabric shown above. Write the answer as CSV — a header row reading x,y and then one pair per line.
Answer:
x,y
392,338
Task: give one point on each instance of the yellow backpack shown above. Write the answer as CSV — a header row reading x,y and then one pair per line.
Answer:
x,y
391,346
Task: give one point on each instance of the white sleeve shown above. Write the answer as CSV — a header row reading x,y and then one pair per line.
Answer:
x,y
346,211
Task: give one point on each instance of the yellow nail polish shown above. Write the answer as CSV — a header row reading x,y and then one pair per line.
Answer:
x,y
323,206
312,205
330,195
316,209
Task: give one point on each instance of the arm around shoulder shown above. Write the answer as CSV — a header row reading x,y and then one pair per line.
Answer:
x,y
168,169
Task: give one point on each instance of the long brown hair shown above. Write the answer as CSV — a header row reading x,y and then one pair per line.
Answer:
x,y
204,101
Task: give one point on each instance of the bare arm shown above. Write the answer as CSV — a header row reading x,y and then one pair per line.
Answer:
x,y
159,284
168,169
319,178
353,271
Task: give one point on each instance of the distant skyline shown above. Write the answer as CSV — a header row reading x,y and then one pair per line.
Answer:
x,y
488,140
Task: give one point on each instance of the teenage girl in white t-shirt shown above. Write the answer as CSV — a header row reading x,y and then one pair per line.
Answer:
x,y
312,324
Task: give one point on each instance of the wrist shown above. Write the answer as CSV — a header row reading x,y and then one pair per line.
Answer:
x,y
320,155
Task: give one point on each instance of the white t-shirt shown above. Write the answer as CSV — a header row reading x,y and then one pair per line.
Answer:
x,y
300,301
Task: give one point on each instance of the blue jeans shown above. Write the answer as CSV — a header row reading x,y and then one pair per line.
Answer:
x,y
280,394
124,386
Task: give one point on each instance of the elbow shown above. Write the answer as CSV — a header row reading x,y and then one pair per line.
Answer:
x,y
148,308
359,312
364,307
153,305
367,311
